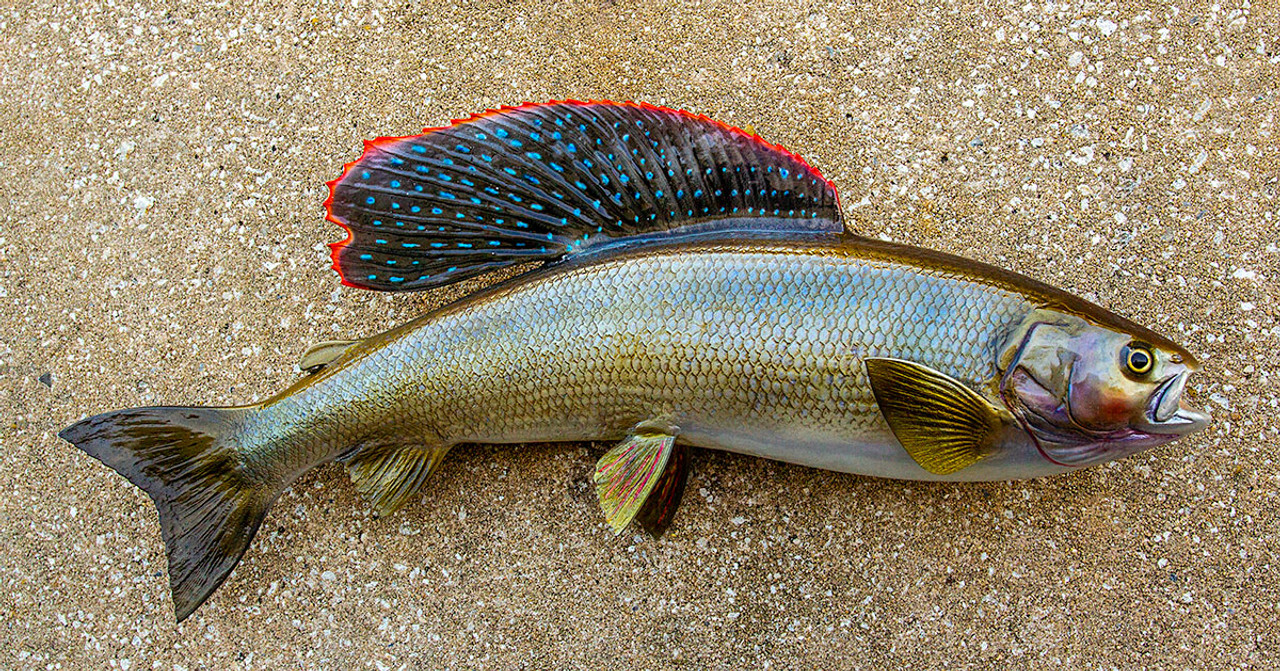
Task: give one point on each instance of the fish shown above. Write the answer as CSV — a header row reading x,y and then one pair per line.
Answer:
x,y
678,283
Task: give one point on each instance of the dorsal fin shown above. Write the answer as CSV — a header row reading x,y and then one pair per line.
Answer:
x,y
542,181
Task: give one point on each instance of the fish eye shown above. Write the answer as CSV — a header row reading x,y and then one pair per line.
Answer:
x,y
1138,359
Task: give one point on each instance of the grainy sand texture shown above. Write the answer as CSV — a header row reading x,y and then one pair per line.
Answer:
x,y
163,243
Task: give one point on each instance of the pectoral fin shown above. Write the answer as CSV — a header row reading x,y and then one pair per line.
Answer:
x,y
626,475
944,425
322,354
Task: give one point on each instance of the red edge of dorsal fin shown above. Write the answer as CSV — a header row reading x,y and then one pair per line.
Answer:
x,y
335,248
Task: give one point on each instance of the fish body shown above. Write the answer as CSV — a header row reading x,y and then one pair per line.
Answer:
x,y
700,291
747,345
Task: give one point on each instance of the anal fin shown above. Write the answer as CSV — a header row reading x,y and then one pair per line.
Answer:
x,y
387,475
944,425
626,475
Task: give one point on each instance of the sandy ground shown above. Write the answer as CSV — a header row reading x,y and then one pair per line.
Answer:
x,y
162,242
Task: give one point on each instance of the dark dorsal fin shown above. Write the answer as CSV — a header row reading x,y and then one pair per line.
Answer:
x,y
539,182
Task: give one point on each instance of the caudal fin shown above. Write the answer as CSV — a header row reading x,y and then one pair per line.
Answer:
x,y
210,507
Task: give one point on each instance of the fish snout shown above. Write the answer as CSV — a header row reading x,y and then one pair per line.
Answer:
x,y
1167,413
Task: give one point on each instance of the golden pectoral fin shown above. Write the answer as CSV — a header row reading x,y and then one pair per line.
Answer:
x,y
944,425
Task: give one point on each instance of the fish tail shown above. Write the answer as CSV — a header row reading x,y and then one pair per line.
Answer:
x,y
187,461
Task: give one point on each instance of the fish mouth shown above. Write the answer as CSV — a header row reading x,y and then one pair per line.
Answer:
x,y
1167,414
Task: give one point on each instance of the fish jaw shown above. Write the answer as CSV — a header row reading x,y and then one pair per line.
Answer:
x,y
1065,379
1168,411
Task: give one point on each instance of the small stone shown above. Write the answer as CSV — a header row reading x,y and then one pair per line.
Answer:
x,y
46,379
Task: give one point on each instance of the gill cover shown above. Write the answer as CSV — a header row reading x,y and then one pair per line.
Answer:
x,y
1088,394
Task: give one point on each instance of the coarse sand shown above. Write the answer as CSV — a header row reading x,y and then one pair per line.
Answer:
x,y
163,243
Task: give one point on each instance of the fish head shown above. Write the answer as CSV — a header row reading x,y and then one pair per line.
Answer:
x,y
1088,394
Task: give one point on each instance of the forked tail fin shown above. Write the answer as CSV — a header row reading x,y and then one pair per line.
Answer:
x,y
185,459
